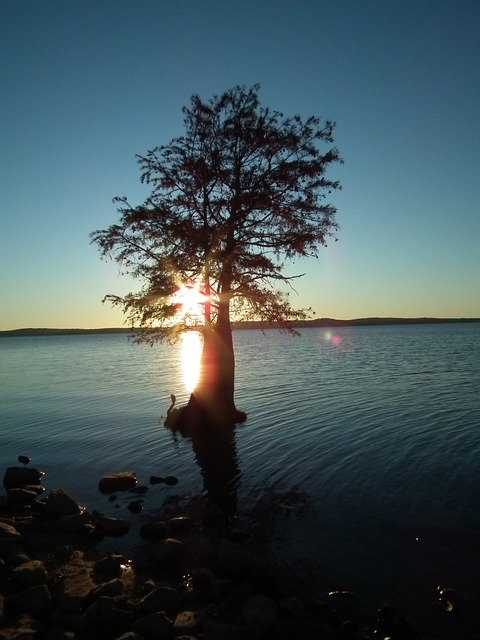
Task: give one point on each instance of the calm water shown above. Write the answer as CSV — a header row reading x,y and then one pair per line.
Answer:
x,y
360,455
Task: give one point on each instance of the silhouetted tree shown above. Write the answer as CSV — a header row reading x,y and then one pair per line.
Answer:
x,y
241,193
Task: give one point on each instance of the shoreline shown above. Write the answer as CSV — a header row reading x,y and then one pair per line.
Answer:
x,y
247,325
216,579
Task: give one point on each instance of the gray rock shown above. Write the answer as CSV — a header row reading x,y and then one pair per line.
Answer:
x,y
36,600
60,503
160,599
260,610
21,476
118,481
168,551
154,627
29,574
130,635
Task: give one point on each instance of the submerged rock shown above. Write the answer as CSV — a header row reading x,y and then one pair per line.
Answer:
x,y
118,481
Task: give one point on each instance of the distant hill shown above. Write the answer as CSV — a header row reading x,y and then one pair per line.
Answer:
x,y
304,324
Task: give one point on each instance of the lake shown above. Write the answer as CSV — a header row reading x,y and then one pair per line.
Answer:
x,y
360,455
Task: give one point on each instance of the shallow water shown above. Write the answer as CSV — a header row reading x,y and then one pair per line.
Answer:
x,y
360,453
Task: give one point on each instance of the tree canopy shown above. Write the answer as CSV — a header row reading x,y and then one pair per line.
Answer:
x,y
234,199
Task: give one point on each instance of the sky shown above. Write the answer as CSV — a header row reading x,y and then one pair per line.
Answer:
x,y
88,84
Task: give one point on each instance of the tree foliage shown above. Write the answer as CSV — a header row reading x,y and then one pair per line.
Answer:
x,y
237,197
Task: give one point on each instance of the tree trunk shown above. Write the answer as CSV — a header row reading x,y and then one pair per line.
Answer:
x,y
213,396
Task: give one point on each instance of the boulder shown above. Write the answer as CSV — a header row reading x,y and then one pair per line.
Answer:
x,y
73,590
23,627
60,503
153,531
20,476
114,527
153,627
110,565
36,600
106,617
9,536
162,598
168,551
187,623
118,481
21,496
30,574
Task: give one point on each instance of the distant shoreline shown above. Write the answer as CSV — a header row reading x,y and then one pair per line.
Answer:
x,y
304,324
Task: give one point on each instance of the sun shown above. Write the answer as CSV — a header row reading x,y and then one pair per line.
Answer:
x,y
191,302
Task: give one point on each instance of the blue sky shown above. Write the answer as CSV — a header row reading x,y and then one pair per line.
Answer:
x,y
87,84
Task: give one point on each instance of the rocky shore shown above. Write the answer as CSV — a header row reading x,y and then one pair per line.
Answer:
x,y
190,576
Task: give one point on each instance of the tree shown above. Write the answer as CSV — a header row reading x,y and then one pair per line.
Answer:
x,y
234,199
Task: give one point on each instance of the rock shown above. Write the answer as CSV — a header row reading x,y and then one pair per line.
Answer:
x,y
30,574
24,627
118,481
21,496
259,610
219,630
232,603
392,624
20,476
168,551
181,523
36,600
3,502
153,531
187,623
24,459
135,507
140,490
15,555
114,527
110,565
154,627
156,479
8,536
73,523
60,503
170,480
106,618
292,606
112,588
234,559
160,599
130,635
73,590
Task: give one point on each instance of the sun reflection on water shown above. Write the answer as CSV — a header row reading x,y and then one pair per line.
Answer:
x,y
191,352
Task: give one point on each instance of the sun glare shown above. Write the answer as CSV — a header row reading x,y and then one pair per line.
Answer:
x,y
191,301
191,352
